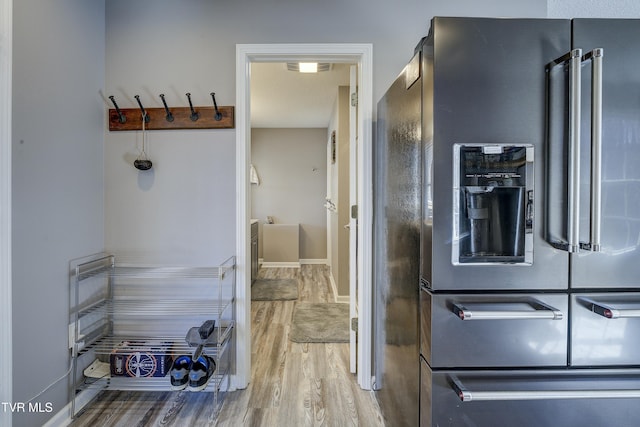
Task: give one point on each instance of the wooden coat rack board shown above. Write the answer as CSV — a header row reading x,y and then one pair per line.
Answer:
x,y
181,118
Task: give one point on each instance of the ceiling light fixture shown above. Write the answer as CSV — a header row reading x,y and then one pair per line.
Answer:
x,y
308,67
321,66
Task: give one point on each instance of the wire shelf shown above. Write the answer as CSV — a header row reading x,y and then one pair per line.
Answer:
x,y
124,309
136,307
150,384
176,345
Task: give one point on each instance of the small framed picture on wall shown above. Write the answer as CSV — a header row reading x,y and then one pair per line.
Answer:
x,y
333,147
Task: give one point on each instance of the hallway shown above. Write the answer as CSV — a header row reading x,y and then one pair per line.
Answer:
x,y
296,384
292,384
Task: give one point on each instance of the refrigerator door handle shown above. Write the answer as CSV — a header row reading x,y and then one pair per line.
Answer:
x,y
574,59
541,311
595,56
466,395
612,312
575,100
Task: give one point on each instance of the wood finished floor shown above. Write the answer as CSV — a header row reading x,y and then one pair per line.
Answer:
x,y
292,384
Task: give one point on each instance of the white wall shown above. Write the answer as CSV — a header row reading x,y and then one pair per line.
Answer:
x,y
57,164
291,164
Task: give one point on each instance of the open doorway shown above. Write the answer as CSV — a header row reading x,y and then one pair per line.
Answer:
x,y
292,116
361,55
301,195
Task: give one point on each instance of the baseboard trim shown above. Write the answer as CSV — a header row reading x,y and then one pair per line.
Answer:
x,y
64,417
61,419
334,289
303,261
320,261
267,264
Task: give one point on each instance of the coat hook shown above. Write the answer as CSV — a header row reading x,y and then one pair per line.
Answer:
x,y
121,115
144,113
194,114
218,115
169,116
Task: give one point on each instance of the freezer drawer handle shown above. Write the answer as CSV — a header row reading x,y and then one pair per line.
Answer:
x,y
541,311
613,313
466,395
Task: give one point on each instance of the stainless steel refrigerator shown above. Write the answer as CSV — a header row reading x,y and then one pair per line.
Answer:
x,y
397,248
529,257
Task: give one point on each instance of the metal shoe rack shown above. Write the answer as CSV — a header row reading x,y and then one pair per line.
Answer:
x,y
122,313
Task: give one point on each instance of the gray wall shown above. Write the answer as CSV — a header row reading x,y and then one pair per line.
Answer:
x,y
292,167
57,163
593,9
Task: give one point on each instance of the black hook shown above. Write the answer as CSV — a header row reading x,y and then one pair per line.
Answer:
x,y
121,115
194,114
218,115
169,116
144,113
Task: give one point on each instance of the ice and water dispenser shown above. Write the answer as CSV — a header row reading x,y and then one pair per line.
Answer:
x,y
493,204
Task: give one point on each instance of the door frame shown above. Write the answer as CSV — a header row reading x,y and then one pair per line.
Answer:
x,y
353,222
6,361
360,54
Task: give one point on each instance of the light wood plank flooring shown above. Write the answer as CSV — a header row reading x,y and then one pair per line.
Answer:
x,y
292,384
